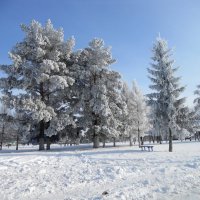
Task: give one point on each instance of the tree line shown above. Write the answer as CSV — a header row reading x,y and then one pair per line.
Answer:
x,y
54,93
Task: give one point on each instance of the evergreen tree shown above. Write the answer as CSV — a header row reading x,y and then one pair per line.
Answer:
x,y
196,118
126,121
138,113
197,99
40,72
186,120
4,122
21,124
165,100
101,100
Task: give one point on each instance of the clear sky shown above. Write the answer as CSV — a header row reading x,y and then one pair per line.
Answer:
x,y
129,26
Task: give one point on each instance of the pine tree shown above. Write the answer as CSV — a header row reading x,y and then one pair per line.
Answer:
x,y
186,120
7,133
21,124
40,73
101,100
197,99
138,113
165,101
4,122
126,122
196,118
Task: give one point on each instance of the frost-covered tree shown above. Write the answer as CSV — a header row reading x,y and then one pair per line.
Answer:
x,y
197,99
21,124
40,71
165,100
128,113
101,100
6,131
197,109
186,120
4,121
139,112
125,95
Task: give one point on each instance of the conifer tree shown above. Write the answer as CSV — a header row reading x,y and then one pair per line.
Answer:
x,y
4,119
126,121
101,100
39,72
166,99
139,113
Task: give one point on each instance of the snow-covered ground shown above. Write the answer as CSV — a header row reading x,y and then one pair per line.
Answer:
x,y
123,172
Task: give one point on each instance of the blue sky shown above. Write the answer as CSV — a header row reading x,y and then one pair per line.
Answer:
x,y
129,26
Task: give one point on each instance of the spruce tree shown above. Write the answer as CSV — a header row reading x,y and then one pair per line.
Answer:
x,y
166,100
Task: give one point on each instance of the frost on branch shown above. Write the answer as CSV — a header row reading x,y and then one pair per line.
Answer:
x,y
165,101
41,70
100,99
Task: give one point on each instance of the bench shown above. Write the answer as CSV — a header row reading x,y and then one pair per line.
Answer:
x,y
8,145
188,138
144,147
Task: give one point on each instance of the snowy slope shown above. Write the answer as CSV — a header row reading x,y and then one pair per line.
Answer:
x,y
123,172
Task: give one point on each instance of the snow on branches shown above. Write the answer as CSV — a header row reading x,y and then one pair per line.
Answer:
x,y
165,101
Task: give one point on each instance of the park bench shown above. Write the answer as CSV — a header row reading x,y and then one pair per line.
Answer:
x,y
144,147
188,138
8,145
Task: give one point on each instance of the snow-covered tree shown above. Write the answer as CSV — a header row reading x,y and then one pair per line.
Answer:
x,y
186,120
6,134
165,100
153,126
21,124
138,112
41,72
128,112
101,100
197,99
3,120
197,109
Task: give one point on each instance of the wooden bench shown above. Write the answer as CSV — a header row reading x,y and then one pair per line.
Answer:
x,y
144,147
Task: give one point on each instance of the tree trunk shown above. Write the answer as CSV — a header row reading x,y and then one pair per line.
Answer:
x,y
17,142
104,142
42,127
48,143
114,142
138,136
149,137
41,144
95,136
160,139
41,136
1,141
131,140
142,141
170,140
96,141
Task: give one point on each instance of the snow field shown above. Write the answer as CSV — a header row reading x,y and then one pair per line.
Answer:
x,y
123,172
